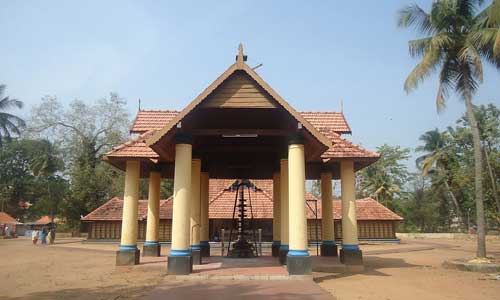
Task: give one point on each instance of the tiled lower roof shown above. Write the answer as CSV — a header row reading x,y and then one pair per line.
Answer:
x,y
135,148
112,210
342,148
5,218
222,204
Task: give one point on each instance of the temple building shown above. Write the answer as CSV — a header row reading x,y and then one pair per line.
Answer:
x,y
375,221
239,128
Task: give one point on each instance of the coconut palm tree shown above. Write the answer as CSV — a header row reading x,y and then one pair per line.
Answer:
x,y
9,124
45,161
436,159
457,41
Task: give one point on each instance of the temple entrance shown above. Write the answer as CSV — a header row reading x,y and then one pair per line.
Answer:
x,y
239,127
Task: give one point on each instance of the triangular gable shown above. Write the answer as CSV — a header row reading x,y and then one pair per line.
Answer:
x,y
238,66
239,91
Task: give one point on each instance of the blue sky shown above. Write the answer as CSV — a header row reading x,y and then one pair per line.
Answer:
x,y
314,54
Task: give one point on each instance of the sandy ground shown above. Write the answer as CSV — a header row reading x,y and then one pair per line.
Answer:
x,y
415,275
65,271
74,270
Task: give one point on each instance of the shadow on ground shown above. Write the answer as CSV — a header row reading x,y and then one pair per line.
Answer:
x,y
173,290
373,267
104,293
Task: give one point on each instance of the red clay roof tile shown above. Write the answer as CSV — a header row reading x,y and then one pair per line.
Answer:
x,y
147,120
5,218
331,124
222,204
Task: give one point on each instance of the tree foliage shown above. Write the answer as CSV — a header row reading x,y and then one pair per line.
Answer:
x,y
457,39
84,132
9,124
385,179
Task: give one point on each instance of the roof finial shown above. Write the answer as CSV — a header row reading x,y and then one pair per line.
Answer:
x,y
240,58
139,104
341,105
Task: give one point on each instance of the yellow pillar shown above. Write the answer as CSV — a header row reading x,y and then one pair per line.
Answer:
x,y
153,221
128,240
284,204
276,214
328,245
276,208
297,201
204,237
182,199
349,220
327,231
195,204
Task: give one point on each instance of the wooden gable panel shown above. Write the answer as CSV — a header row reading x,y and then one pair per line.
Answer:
x,y
239,91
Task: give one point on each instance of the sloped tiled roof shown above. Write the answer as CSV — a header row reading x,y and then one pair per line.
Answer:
x,y
147,120
342,148
327,121
46,220
134,148
112,210
5,218
330,124
222,204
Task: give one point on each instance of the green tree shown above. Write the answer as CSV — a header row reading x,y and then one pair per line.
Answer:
x,y
9,123
384,179
44,165
27,174
488,118
455,44
16,179
85,132
437,158
419,209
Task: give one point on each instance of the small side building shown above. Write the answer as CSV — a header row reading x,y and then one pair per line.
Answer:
x,y
15,228
375,221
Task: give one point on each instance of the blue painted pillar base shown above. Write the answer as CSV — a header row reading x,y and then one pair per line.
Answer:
x,y
275,248
180,262
299,262
328,248
351,255
196,254
205,248
151,249
283,252
127,256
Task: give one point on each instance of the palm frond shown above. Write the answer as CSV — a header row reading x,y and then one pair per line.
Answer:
x,y
469,55
466,85
494,13
414,16
487,41
423,69
447,77
428,164
418,47
467,8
